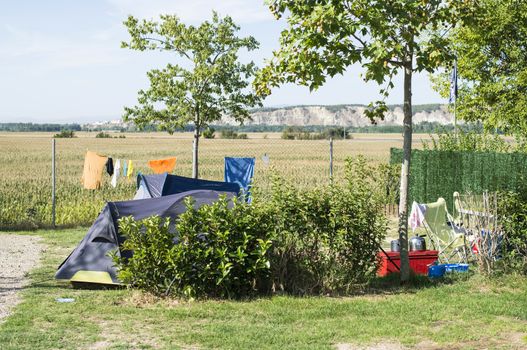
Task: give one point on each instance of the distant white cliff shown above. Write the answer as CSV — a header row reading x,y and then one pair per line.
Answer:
x,y
343,115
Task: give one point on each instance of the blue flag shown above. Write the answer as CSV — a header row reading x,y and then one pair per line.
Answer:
x,y
453,84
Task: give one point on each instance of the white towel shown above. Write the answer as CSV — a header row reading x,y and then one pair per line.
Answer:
x,y
417,215
116,171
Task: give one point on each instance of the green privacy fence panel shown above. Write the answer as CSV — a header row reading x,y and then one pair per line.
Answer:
x,y
435,174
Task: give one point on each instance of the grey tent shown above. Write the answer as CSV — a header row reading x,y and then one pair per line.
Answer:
x,y
158,185
90,262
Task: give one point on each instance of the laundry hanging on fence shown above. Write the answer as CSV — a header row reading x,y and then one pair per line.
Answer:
x,y
125,167
160,166
93,168
109,166
130,170
117,170
240,171
265,159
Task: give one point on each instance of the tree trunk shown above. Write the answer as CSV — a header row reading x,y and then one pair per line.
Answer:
x,y
195,148
405,173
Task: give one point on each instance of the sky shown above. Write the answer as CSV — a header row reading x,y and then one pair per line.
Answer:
x,y
61,61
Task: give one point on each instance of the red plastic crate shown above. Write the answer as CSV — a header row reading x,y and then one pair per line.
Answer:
x,y
419,261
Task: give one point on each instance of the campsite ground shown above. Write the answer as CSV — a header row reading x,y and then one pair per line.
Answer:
x,y
472,313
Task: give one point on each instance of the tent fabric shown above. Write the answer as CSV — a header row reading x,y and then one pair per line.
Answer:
x,y
160,166
153,186
239,171
103,237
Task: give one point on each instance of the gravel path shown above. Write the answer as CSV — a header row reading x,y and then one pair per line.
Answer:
x,y
18,255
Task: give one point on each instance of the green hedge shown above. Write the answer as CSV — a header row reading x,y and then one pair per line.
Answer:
x,y
435,174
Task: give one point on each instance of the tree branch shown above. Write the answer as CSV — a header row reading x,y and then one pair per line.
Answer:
x,y
183,53
362,42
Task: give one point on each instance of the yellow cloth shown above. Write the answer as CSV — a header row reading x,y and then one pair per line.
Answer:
x,y
130,170
160,166
94,165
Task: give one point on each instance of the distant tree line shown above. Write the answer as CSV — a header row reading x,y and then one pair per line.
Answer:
x,y
18,127
322,131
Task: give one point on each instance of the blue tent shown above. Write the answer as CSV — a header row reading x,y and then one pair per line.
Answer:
x,y
158,185
90,261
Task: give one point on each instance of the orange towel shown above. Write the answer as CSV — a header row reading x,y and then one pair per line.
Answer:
x,y
160,166
94,165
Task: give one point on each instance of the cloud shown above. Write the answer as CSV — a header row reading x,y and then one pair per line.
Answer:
x,y
48,52
44,51
242,11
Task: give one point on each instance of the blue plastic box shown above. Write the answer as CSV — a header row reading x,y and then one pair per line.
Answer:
x,y
439,270
456,267
436,271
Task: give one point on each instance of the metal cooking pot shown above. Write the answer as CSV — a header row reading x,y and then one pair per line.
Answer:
x,y
417,243
395,246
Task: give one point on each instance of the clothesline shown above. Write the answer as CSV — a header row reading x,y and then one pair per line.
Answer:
x,y
94,164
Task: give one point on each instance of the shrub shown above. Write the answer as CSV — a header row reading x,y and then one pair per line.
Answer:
x,y
65,134
103,135
295,133
299,133
323,240
471,140
512,215
221,250
231,134
209,133
326,240
336,133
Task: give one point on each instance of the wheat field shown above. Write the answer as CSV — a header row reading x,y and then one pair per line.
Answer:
x,y
25,158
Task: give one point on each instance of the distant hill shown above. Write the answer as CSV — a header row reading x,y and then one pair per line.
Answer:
x,y
343,115
271,118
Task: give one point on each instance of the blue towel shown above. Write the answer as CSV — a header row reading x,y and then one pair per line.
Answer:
x,y
240,171
125,167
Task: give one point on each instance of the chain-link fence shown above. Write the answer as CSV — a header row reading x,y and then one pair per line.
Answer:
x,y
25,187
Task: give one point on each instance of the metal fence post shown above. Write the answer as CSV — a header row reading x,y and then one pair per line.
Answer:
x,y
53,182
331,158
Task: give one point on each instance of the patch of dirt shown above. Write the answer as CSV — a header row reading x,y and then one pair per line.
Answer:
x,y
115,333
428,345
509,341
141,299
100,345
18,255
378,346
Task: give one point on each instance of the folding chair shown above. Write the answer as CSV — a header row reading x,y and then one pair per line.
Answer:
x,y
444,235
477,213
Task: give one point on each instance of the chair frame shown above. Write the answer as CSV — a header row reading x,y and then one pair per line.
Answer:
x,y
457,249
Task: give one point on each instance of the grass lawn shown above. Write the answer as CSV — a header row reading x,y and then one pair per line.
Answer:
x,y
470,313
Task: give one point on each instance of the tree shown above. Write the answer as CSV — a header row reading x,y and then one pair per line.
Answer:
x,y
209,84
492,64
324,37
